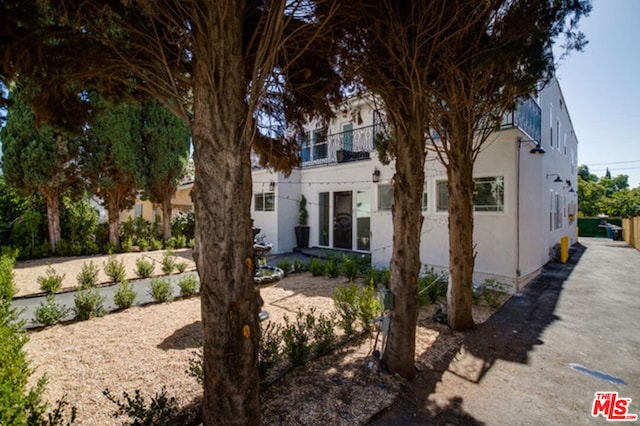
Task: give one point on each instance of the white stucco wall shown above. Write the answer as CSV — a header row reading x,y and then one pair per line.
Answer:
x,y
511,245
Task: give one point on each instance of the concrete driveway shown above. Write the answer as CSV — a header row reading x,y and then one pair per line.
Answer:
x,y
542,357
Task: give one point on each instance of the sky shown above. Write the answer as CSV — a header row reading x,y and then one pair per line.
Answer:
x,y
601,88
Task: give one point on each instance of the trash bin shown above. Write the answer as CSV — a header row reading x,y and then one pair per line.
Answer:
x,y
616,233
609,231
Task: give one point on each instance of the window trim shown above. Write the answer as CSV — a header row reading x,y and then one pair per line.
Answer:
x,y
261,206
441,207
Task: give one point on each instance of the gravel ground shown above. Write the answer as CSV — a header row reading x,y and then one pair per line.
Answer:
x,y
149,348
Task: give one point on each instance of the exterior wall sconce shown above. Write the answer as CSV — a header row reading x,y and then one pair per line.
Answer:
x,y
375,177
557,179
272,186
538,149
568,182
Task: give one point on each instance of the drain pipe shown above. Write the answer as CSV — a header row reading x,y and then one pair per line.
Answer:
x,y
518,145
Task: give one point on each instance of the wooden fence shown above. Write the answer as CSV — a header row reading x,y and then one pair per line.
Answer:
x,y
631,231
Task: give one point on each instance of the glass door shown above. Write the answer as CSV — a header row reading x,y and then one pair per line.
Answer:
x,y
342,220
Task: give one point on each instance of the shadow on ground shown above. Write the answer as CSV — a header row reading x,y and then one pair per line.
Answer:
x,y
510,334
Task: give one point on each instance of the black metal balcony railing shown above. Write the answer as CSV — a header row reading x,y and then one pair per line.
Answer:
x,y
527,116
352,145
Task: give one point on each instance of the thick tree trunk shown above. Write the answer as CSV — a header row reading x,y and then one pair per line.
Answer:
x,y
53,218
166,219
222,199
114,224
461,251
399,354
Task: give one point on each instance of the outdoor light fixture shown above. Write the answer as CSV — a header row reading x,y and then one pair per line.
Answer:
x,y
557,179
375,177
539,150
272,186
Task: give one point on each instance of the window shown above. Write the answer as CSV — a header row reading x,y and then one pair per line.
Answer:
x,y
443,196
385,197
264,202
137,211
323,211
551,124
558,212
320,144
551,210
306,147
425,199
489,194
558,133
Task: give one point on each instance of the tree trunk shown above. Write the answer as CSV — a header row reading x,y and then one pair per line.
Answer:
x,y
222,200
461,251
399,353
53,218
166,219
114,224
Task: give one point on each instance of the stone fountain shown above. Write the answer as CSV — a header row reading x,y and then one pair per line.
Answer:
x,y
263,274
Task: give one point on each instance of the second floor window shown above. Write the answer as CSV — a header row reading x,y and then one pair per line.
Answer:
x,y
264,202
314,145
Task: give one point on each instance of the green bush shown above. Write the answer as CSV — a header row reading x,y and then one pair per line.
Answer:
x,y
324,335
181,241
191,243
51,282
168,262
181,267
372,277
188,286
345,301
125,295
88,275
316,267
156,244
115,269
196,365
331,269
269,352
143,244
88,304
126,245
50,313
350,267
7,283
369,307
296,337
160,289
161,411
431,286
170,244
19,404
144,267
385,277
493,292
285,265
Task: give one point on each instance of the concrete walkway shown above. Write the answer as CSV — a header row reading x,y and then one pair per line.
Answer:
x,y
541,358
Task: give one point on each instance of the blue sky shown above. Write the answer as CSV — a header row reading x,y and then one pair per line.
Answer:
x,y
601,87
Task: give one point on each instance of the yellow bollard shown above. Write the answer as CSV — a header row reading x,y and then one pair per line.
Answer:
x,y
564,249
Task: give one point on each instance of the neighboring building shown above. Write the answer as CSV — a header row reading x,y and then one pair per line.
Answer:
x,y
525,202
180,203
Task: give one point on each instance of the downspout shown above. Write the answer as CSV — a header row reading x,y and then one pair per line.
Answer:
x,y
518,145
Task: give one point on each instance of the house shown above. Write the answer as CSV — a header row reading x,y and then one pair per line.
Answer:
x,y
180,203
526,182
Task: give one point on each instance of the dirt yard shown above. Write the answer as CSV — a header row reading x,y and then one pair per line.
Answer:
x,y
149,347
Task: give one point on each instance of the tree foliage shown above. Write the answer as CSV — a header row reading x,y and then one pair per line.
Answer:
x,y
608,195
111,158
37,159
165,152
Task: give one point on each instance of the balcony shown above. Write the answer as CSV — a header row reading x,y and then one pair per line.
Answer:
x,y
527,117
353,145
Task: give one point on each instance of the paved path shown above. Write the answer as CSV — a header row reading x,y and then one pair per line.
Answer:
x,y
542,357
